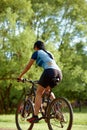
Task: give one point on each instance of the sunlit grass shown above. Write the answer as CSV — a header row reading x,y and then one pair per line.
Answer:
x,y
7,121
80,118
79,123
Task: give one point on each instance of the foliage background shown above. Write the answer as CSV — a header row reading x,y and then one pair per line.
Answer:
x,y
62,25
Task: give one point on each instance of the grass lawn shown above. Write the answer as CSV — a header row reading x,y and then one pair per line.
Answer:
x,y
80,122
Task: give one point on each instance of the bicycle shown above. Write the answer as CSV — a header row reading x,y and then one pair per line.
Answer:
x,y
57,113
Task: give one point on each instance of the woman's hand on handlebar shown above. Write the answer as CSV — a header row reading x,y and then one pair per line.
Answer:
x,y
19,79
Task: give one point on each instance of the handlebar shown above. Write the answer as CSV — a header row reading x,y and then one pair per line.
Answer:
x,y
27,80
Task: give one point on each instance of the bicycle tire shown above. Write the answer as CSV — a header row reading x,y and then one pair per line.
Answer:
x,y
60,114
22,115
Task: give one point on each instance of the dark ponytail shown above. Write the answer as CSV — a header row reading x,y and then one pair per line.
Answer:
x,y
40,45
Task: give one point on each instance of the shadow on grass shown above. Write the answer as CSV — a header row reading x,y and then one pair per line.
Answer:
x,y
80,110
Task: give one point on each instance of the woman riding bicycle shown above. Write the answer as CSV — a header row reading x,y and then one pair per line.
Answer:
x,y
51,71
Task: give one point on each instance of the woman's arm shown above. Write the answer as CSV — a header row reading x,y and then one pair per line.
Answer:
x,y
26,68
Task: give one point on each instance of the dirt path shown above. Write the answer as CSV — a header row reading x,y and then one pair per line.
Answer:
x,y
6,129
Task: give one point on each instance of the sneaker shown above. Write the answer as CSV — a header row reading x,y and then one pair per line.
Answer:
x,y
34,119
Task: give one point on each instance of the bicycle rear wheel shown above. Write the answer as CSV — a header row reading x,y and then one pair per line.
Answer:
x,y
60,114
24,111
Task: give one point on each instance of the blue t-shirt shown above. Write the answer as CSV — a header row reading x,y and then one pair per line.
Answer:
x,y
44,59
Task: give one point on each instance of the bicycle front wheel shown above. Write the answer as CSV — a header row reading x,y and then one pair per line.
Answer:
x,y
60,114
24,111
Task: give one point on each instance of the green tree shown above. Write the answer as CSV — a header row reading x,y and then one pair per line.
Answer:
x,y
16,38
61,24
64,24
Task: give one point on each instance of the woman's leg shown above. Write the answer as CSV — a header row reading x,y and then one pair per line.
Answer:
x,y
47,90
38,99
